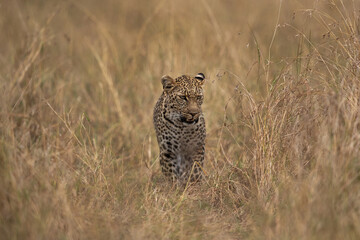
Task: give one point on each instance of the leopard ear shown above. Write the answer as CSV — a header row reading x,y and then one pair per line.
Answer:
x,y
168,83
200,77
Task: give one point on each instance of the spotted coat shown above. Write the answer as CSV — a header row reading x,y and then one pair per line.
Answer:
x,y
180,127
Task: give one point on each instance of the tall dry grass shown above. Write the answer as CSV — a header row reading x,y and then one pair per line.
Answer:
x,y
78,153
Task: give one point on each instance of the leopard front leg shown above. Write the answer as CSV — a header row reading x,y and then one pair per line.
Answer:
x,y
194,166
167,163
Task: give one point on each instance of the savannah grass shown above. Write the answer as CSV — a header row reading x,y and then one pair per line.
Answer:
x,y
78,153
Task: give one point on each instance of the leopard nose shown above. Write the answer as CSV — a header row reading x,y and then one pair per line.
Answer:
x,y
193,109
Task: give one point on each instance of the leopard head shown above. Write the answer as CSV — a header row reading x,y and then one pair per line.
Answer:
x,y
183,98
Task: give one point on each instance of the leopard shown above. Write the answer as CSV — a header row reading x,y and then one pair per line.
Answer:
x,y
180,128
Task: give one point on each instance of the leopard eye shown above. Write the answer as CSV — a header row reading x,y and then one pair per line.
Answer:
x,y
182,97
199,97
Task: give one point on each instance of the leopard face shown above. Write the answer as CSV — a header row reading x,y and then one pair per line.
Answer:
x,y
183,98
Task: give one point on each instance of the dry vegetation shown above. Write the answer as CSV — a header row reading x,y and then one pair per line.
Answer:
x,y
78,154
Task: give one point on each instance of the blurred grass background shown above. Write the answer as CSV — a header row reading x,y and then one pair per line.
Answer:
x,y
78,153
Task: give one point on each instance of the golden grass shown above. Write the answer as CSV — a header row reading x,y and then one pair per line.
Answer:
x,y
78,153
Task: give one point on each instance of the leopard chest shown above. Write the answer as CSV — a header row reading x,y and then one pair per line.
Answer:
x,y
183,141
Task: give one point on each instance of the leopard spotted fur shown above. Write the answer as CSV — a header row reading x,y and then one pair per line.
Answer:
x,y
180,127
